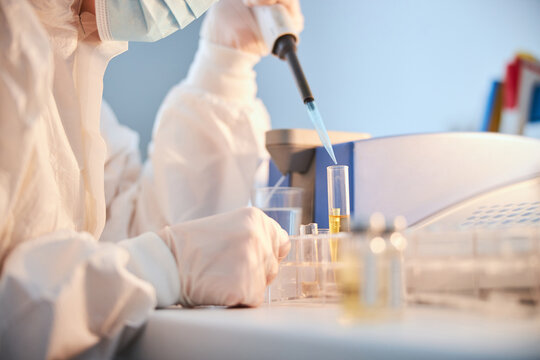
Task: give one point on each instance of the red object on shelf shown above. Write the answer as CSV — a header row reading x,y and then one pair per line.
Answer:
x,y
511,83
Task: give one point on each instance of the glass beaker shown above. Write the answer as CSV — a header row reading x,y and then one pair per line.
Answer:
x,y
283,204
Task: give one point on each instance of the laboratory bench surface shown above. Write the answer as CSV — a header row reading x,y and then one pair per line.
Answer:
x,y
315,331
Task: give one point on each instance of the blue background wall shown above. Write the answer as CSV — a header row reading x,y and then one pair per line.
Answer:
x,y
383,67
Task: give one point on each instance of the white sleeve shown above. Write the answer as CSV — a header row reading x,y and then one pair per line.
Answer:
x,y
62,293
122,174
65,295
208,142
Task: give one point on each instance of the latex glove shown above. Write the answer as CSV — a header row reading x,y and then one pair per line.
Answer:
x,y
231,23
227,259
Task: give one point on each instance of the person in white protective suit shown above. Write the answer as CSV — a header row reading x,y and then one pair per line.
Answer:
x,y
90,241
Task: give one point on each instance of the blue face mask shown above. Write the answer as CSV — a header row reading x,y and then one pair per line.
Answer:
x,y
145,20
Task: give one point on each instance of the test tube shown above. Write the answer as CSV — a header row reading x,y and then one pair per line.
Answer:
x,y
308,281
338,198
338,204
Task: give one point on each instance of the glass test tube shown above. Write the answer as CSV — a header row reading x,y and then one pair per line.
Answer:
x,y
338,198
338,203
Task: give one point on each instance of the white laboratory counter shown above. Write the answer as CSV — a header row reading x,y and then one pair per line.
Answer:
x,y
316,332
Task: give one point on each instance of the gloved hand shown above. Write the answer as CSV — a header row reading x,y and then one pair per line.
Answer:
x,y
226,259
231,23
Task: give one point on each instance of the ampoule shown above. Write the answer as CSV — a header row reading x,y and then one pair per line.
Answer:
x,y
373,279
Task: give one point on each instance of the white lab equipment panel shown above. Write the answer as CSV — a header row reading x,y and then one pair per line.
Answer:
x,y
418,175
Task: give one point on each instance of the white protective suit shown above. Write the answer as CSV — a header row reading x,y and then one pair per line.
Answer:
x,y
67,287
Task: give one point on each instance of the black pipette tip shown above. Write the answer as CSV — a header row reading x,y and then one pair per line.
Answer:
x,y
285,49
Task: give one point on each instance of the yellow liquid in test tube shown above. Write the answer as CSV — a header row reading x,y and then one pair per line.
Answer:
x,y
337,223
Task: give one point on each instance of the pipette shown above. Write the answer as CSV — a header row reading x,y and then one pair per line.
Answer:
x,y
278,33
316,119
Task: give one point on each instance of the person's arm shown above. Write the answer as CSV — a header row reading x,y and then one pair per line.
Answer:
x,y
62,293
208,143
208,148
226,259
65,294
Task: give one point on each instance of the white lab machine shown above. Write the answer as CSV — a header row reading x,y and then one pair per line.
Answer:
x,y
418,176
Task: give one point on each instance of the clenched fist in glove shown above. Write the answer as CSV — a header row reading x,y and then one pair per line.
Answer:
x,y
231,23
226,259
